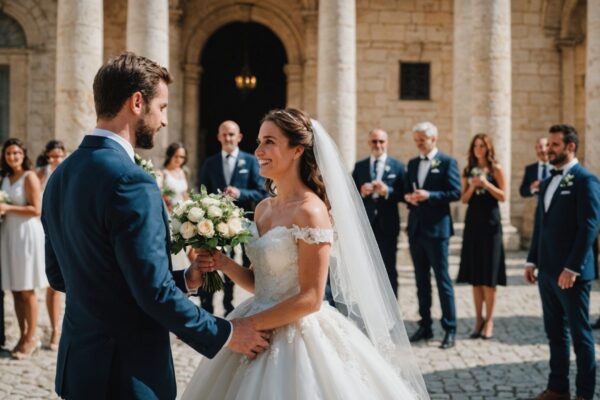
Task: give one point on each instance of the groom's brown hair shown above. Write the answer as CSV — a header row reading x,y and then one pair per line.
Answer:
x,y
121,77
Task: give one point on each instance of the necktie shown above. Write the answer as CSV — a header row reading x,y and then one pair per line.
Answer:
x,y
374,170
555,172
544,171
227,168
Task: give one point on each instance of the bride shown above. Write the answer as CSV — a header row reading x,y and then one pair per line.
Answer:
x,y
313,224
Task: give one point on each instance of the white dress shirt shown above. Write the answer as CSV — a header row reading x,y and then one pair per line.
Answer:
x,y
380,165
424,166
229,163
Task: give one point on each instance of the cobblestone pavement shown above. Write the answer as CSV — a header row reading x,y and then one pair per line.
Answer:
x,y
513,365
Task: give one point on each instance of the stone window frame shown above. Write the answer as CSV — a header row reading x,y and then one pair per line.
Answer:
x,y
17,62
403,97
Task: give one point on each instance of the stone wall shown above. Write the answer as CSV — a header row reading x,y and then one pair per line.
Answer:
x,y
536,91
388,33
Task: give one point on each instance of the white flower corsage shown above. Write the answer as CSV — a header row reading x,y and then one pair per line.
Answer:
x,y
435,163
567,180
387,168
146,165
241,162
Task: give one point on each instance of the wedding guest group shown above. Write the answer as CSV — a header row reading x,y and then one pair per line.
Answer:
x,y
431,183
482,255
235,173
380,179
566,223
22,243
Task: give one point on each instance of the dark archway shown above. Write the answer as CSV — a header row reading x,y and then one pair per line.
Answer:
x,y
222,59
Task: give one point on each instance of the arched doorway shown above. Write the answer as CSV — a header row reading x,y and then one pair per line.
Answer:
x,y
222,59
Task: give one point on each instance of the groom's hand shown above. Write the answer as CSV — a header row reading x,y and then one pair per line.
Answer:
x,y
246,339
195,273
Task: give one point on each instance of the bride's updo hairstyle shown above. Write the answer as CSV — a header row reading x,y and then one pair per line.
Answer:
x,y
296,126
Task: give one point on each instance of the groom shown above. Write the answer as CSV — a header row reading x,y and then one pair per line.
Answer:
x,y
107,248
566,224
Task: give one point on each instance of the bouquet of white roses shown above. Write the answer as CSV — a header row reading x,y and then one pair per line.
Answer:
x,y
208,221
4,198
480,173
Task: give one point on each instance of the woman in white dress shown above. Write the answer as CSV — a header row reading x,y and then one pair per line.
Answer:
x,y
22,242
316,352
174,186
53,155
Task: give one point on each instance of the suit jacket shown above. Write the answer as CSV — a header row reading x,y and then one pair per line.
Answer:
x,y
245,177
382,211
432,217
530,176
563,235
107,248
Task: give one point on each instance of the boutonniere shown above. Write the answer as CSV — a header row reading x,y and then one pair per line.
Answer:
x,y
387,168
241,162
567,180
146,165
435,163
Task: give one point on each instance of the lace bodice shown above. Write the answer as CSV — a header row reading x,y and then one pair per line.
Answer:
x,y
274,257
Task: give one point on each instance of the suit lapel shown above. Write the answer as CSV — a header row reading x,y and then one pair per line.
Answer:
x,y
235,168
430,168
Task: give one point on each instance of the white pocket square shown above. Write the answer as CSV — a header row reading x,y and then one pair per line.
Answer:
x,y
435,171
243,171
391,176
565,192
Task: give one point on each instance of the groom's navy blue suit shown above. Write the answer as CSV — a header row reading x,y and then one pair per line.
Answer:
x,y
429,231
562,238
107,248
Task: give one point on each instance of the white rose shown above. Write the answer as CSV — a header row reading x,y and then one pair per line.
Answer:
x,y
235,226
175,225
209,201
187,230
195,214
214,212
223,229
206,228
237,212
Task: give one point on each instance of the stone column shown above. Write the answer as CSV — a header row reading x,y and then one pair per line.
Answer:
x,y
311,27
148,36
293,73
336,76
592,89
491,88
461,91
175,109
191,111
567,51
79,45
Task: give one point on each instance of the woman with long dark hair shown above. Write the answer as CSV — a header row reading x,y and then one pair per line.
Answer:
x,y
22,242
482,255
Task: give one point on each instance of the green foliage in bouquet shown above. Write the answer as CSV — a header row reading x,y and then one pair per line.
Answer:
x,y
168,192
208,221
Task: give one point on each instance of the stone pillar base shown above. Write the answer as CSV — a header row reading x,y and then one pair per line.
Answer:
x,y
511,236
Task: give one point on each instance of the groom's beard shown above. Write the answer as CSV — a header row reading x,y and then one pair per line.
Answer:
x,y
144,135
558,158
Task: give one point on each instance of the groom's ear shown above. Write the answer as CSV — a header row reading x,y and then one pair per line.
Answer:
x,y
135,103
298,152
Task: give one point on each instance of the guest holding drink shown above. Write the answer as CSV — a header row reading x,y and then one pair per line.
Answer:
x,y
53,155
482,255
22,242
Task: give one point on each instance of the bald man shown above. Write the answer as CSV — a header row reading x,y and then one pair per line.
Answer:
x,y
379,178
235,173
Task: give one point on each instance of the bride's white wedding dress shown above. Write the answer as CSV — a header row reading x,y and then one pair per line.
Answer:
x,y
321,356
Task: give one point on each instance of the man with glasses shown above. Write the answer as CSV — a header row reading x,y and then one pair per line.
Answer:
x,y
379,178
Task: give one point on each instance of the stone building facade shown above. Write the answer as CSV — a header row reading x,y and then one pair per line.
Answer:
x,y
509,68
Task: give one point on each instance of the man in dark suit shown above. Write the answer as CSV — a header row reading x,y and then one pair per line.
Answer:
x,y
538,171
107,248
235,173
432,182
380,180
566,224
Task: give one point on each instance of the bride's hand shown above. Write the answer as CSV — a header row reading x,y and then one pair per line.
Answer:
x,y
204,260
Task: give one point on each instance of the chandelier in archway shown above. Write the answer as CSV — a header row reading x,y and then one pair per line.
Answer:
x,y
245,81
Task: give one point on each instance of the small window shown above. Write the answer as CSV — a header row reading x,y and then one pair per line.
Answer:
x,y
11,33
4,82
414,81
